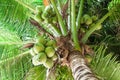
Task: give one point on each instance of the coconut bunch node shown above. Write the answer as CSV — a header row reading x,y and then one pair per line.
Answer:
x,y
44,52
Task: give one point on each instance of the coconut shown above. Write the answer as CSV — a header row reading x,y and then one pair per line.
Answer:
x,y
99,27
89,21
49,51
38,48
51,43
94,18
49,63
41,40
39,9
42,57
54,57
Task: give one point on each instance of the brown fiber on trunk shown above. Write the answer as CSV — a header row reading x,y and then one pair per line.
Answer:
x,y
78,65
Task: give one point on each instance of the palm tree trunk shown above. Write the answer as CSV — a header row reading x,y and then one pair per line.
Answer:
x,y
78,65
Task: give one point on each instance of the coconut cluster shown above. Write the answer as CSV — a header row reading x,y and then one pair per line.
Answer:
x,y
46,14
44,52
87,21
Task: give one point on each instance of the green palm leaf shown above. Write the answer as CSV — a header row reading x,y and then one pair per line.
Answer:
x,y
15,29
15,69
12,11
63,73
22,30
114,5
36,73
105,66
14,16
7,38
14,63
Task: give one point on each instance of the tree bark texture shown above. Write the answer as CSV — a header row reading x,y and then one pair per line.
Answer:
x,y
78,65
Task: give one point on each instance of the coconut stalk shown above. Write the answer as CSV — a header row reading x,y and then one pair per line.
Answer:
x,y
78,65
73,26
60,20
79,14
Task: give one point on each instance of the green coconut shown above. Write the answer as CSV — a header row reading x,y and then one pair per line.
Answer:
x,y
99,27
85,17
38,48
48,9
46,12
49,51
94,18
49,63
54,57
88,58
51,43
45,15
82,20
89,21
41,40
38,17
39,9
54,19
42,57
83,30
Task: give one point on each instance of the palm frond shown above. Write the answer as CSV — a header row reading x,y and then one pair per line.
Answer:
x,y
14,17
15,69
8,43
114,5
36,73
7,38
63,73
105,66
23,31
14,63
12,11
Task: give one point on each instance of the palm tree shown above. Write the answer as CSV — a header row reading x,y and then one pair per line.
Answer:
x,y
74,25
